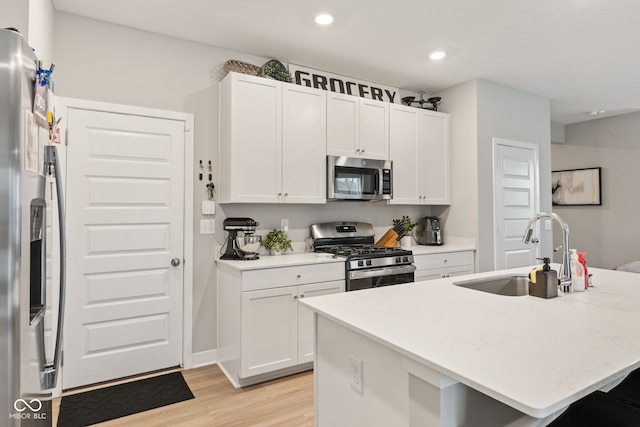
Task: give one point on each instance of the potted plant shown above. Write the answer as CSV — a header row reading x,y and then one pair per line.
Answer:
x,y
277,242
404,227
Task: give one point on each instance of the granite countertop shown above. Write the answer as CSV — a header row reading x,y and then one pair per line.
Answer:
x,y
533,354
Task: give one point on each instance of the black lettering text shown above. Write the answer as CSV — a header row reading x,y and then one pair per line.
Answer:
x,y
302,81
390,95
319,82
332,85
363,90
376,93
349,84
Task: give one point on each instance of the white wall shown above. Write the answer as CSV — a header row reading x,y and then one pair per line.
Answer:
x,y
461,101
110,63
608,233
482,110
34,19
510,114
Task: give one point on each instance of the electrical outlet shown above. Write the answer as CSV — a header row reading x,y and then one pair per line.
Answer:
x,y
355,366
207,226
284,225
547,224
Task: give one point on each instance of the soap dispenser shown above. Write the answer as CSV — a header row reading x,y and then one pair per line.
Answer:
x,y
546,284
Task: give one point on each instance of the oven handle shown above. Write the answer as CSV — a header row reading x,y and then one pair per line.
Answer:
x,y
378,272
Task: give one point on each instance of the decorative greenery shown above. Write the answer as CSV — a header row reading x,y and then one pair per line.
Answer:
x,y
408,224
276,71
277,241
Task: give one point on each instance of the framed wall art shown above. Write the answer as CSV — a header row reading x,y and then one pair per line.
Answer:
x,y
577,187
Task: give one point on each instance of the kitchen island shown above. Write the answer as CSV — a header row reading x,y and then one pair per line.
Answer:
x,y
432,353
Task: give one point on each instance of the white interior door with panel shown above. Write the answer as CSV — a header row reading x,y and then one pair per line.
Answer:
x,y
125,198
516,201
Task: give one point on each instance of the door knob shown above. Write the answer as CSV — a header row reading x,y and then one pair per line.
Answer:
x,y
175,262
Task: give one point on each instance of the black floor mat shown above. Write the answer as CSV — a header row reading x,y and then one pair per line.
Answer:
x,y
117,401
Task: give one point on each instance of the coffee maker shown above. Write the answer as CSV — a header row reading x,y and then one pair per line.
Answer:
x,y
429,231
241,229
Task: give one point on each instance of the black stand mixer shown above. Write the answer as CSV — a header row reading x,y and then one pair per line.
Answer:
x,y
241,229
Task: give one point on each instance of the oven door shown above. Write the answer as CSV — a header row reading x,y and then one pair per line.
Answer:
x,y
376,277
350,178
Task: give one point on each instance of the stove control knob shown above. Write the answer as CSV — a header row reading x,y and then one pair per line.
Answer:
x,y
368,262
398,259
405,259
360,263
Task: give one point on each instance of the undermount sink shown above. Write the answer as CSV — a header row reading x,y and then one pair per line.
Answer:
x,y
502,285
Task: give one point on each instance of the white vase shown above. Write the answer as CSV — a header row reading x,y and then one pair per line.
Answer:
x,y
275,252
405,242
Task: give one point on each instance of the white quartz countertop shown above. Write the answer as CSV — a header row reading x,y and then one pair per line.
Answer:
x,y
285,260
447,247
536,355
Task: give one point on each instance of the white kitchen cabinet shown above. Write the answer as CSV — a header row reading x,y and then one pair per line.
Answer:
x,y
306,335
263,333
449,264
419,148
357,127
272,142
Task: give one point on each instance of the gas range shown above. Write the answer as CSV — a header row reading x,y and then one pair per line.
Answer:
x,y
367,265
369,255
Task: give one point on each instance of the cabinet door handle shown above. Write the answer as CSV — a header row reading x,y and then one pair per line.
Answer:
x,y
298,276
295,297
362,151
302,296
357,150
286,194
279,194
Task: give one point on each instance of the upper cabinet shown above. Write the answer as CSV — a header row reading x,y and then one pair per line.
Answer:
x,y
357,127
419,148
272,142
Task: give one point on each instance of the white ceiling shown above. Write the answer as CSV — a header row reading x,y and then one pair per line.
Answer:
x,y
581,54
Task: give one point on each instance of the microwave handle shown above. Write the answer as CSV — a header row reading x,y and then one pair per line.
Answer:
x,y
377,189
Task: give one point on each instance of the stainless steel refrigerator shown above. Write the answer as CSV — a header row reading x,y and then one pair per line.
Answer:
x,y
27,374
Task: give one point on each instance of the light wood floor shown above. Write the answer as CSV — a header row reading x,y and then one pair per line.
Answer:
x,y
283,402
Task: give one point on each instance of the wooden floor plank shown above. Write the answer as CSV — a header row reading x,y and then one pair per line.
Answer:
x,y
283,402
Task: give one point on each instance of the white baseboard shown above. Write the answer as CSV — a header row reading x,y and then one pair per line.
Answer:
x,y
204,358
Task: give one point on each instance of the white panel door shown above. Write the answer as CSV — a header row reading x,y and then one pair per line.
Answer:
x,y
374,129
304,144
343,124
269,330
516,201
306,330
125,226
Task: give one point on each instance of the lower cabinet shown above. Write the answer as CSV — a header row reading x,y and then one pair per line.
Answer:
x,y
263,333
276,332
436,266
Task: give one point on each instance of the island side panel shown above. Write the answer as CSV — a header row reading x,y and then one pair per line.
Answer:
x,y
396,390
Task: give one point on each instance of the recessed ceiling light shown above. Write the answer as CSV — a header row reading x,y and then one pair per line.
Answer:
x,y
324,19
437,55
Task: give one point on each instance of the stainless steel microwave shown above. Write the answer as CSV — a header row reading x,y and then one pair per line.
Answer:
x,y
355,178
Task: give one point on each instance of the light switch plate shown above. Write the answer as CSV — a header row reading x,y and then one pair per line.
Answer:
x,y
208,207
207,226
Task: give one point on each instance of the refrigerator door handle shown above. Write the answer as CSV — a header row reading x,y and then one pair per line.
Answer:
x,y
50,374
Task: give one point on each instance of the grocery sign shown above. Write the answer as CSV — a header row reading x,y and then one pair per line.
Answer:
x,y
309,77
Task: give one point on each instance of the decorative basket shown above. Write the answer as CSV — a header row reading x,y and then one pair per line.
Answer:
x,y
241,67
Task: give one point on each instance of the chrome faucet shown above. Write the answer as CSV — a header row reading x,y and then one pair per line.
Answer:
x,y
564,275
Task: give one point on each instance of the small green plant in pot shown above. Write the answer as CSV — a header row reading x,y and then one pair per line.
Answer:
x,y
277,242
